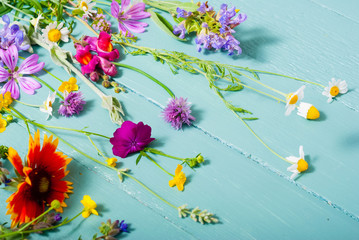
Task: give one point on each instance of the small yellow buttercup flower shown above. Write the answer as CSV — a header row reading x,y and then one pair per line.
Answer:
x,y
89,206
111,162
179,179
308,111
3,124
5,100
69,86
299,164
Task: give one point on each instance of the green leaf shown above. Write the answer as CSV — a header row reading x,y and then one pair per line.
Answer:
x,y
253,118
35,4
78,12
139,158
163,24
59,11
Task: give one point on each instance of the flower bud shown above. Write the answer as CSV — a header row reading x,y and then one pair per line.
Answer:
x,y
117,90
9,118
94,76
106,83
55,204
114,84
200,158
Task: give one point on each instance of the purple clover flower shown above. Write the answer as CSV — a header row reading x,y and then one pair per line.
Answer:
x,y
181,13
73,103
11,35
177,112
127,16
14,74
180,29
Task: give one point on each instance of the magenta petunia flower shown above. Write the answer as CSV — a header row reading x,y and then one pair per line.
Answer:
x,y
73,104
130,138
14,74
127,16
87,60
103,46
177,112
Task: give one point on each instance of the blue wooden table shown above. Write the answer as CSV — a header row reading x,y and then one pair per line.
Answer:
x,y
245,185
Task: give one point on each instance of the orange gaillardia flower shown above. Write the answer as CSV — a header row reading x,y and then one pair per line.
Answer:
x,y
41,183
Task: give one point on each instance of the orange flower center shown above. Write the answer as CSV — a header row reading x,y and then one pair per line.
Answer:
x,y
334,91
54,35
105,45
83,6
86,58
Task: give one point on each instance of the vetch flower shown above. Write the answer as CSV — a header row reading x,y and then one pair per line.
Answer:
x,y
299,164
293,98
73,103
3,124
335,87
130,138
86,6
127,17
69,86
111,162
103,46
5,100
89,206
308,111
86,59
179,178
15,74
177,112
54,33
42,182
47,105
35,21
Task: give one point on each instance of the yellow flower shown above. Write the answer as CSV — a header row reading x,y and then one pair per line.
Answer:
x,y
5,100
89,206
308,111
179,179
3,124
69,86
111,162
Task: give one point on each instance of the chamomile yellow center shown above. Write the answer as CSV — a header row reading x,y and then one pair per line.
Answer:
x,y
302,165
54,35
83,6
334,91
293,99
313,113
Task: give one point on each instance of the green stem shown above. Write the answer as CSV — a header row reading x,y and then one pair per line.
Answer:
x,y
151,159
98,150
147,75
148,189
252,131
104,3
28,104
294,78
47,85
40,216
52,75
163,154
15,8
19,117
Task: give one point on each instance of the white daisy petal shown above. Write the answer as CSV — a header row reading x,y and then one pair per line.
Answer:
x,y
292,168
301,152
292,159
294,175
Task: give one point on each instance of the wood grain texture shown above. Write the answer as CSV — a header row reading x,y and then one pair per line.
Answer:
x,y
243,183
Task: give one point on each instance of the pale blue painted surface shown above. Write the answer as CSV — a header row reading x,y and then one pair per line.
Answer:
x,y
243,183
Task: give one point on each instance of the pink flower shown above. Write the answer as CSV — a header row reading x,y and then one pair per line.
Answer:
x,y
130,138
87,60
103,46
127,17
107,67
14,73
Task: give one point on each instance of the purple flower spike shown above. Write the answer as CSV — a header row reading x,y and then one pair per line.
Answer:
x,y
181,13
130,138
127,17
73,103
180,29
177,112
14,74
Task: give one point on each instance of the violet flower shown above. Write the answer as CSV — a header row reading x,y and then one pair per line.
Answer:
x,y
12,35
204,8
180,29
127,17
130,138
14,74
177,112
73,103
181,13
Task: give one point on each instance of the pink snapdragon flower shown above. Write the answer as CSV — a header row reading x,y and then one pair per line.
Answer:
x,y
130,138
127,17
103,46
87,60
14,73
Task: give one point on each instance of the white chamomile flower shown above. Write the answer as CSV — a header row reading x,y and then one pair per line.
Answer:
x,y
35,21
292,99
54,33
308,111
335,87
86,6
299,164
47,105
